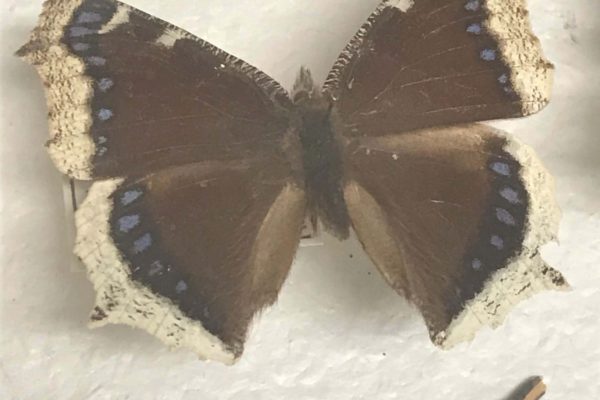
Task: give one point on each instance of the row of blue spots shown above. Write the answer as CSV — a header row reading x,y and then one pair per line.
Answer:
x,y
502,214
143,243
81,32
476,28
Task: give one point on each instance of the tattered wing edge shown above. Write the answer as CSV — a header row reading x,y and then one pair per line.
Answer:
x,y
277,93
531,74
526,274
68,90
120,300
332,80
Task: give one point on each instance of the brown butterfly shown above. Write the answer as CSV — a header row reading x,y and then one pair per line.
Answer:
x,y
204,168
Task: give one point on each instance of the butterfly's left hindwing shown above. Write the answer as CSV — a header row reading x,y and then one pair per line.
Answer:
x,y
190,253
128,93
454,218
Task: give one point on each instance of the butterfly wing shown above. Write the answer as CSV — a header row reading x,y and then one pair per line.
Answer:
x,y
190,253
454,218
128,93
194,218
439,63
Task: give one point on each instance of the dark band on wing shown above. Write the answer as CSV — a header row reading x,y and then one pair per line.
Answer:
x,y
502,228
137,237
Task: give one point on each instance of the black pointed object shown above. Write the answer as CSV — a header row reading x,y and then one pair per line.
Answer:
x,y
204,167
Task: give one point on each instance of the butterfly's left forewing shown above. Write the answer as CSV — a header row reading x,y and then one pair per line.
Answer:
x,y
129,93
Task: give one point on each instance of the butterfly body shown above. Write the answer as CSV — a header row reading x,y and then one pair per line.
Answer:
x,y
204,168
322,156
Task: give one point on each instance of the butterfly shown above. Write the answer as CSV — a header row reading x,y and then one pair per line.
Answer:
x,y
204,168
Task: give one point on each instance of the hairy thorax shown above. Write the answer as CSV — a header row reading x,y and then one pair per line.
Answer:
x,y
321,157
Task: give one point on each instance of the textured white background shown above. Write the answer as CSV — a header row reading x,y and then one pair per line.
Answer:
x,y
338,332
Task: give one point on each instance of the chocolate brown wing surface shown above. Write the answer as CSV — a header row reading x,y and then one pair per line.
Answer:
x,y
190,254
454,218
129,93
432,63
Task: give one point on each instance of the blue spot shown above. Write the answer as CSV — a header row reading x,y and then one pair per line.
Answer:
x,y
130,196
181,287
476,264
156,268
497,242
80,46
102,139
472,5
78,31
488,54
105,114
501,168
86,17
474,28
101,150
128,222
105,83
503,79
511,195
142,244
505,217
96,61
